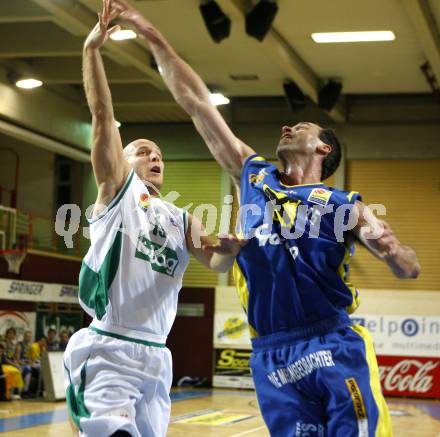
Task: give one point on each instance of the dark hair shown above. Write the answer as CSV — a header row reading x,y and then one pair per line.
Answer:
x,y
11,329
51,330
332,160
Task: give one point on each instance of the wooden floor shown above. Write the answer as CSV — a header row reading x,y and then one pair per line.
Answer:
x,y
228,413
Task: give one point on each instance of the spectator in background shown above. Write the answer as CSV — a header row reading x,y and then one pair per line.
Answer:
x,y
25,348
64,339
3,390
36,349
14,380
2,354
11,346
52,344
24,360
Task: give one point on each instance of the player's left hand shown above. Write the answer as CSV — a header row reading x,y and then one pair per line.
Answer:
x,y
226,245
101,32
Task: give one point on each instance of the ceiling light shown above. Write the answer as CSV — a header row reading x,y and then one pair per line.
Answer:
x,y
334,37
28,84
121,35
260,18
118,124
216,21
218,99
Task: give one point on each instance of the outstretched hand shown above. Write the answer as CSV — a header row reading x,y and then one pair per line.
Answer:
x,y
128,12
135,18
226,245
386,243
101,33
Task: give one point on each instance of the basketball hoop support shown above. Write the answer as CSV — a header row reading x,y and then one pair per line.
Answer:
x,y
14,258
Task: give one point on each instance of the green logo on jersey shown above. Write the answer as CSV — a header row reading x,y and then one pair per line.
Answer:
x,y
162,259
158,228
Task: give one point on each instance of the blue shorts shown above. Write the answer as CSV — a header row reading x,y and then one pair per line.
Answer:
x,y
320,381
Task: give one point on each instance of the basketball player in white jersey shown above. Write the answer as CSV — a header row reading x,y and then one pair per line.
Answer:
x,y
118,371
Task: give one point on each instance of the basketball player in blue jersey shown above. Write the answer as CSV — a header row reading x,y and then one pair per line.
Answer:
x,y
118,371
315,372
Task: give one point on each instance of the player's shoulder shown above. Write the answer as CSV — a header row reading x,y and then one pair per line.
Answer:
x,y
256,159
341,196
168,208
256,168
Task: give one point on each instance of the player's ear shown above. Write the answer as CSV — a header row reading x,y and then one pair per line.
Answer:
x,y
323,149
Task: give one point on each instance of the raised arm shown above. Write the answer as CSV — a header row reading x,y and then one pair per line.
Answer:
x,y
192,95
217,255
109,165
378,237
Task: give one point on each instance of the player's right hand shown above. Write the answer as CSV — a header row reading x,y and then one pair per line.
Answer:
x,y
135,18
226,245
386,243
101,33
129,13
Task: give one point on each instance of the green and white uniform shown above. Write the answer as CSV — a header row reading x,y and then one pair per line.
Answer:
x,y
118,371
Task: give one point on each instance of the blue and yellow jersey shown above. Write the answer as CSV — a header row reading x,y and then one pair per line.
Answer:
x,y
293,272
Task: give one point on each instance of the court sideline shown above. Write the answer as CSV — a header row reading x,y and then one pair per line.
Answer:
x,y
231,413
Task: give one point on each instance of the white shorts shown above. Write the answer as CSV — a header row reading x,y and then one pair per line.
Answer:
x,y
117,384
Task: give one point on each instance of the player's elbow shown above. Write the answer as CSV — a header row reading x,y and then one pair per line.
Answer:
x,y
187,101
101,112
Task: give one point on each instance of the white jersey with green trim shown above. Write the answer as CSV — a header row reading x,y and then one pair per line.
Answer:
x,y
132,273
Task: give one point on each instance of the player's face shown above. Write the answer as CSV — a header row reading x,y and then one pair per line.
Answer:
x,y
146,159
301,138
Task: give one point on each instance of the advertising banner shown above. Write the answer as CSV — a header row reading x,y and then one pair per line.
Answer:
x,y
231,328
407,348
408,353
410,376
12,289
232,368
415,336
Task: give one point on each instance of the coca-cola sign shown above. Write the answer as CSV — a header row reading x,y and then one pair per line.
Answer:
x,y
410,376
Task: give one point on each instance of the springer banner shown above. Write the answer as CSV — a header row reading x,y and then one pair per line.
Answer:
x,y
12,289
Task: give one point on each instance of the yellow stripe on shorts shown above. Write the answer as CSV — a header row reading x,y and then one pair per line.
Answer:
x,y
359,406
383,427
